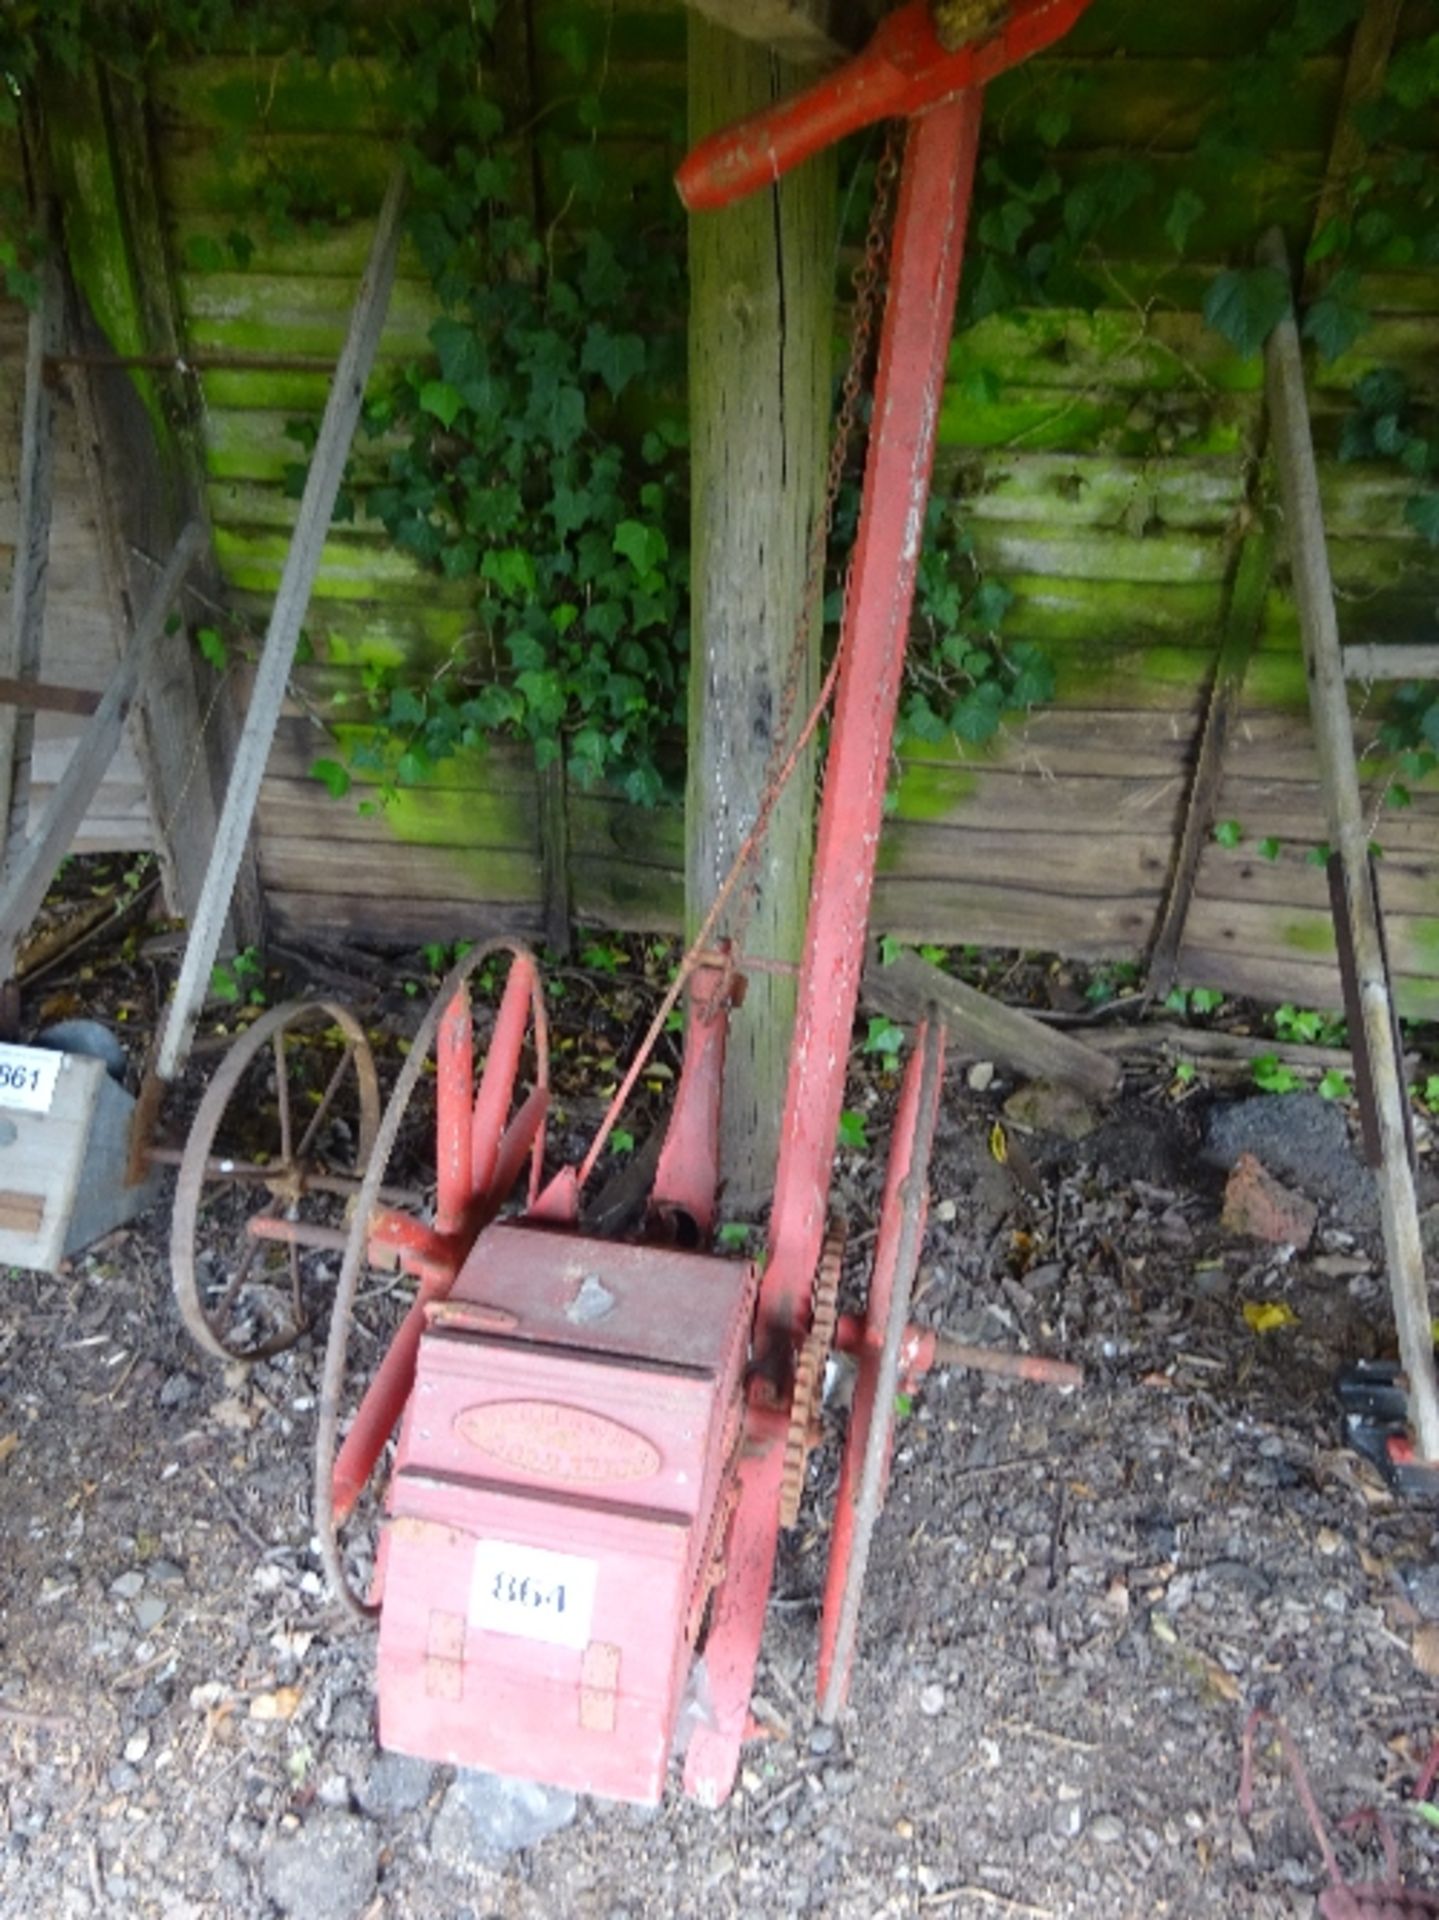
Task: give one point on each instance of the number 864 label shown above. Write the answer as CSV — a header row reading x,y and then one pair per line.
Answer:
x,y
533,1593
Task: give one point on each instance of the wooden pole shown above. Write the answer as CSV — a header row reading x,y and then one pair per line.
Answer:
x,y
302,563
30,868
761,320
1348,833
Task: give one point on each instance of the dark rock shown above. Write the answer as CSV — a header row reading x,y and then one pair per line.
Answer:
x,y
395,1784
1299,1137
326,1871
485,1817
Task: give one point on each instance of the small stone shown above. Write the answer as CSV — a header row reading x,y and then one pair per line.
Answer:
x,y
150,1610
396,1784
485,1816
151,1701
179,1390
821,1740
138,1745
325,1871
1048,1108
931,1700
1258,1206
129,1585
1108,1830
122,1777
165,1573
981,1076
1066,1821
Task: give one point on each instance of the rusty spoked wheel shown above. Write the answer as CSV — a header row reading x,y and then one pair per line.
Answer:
x,y
278,1149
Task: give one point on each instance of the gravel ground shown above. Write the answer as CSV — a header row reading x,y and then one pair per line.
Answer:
x,y
1074,1602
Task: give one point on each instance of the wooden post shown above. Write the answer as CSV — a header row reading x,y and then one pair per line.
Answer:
x,y
1349,837
30,867
761,317
302,563
20,655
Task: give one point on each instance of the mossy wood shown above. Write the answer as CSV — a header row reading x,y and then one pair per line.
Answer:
x,y
1100,460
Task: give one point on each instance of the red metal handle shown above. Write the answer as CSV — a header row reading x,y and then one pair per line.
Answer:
x,y
903,70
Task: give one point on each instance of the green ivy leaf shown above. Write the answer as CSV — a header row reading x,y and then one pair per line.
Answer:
x,y
617,358
439,398
1246,304
512,570
643,546
1268,848
853,1134
1336,320
1184,209
1228,833
335,777
212,648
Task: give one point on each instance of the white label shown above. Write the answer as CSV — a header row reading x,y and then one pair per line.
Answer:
x,y
28,1076
533,1593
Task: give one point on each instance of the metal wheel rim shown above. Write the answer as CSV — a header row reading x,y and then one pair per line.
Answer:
x,y
194,1165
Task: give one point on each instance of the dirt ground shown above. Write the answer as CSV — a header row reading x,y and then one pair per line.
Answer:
x,y
1075,1600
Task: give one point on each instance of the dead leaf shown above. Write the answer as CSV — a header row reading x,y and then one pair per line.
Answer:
x,y
282,1704
1267,1316
999,1143
7,1446
1426,1649
234,1414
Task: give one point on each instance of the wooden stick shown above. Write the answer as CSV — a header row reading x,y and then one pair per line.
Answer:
x,y
1348,831
1249,582
29,871
302,563
20,656
981,1028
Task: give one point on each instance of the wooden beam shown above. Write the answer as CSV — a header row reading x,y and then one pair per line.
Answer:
x,y
302,563
1348,831
40,697
1249,582
1370,663
983,1029
799,31
20,652
30,868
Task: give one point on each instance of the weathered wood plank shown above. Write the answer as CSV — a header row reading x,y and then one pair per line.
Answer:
x,y
292,597
1059,491
31,863
954,913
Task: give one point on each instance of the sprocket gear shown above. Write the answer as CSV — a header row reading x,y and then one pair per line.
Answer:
x,y
809,1375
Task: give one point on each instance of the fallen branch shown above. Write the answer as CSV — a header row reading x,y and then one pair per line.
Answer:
x,y
984,1029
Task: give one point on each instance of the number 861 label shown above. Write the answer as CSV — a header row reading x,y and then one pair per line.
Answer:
x,y
533,1593
27,1077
